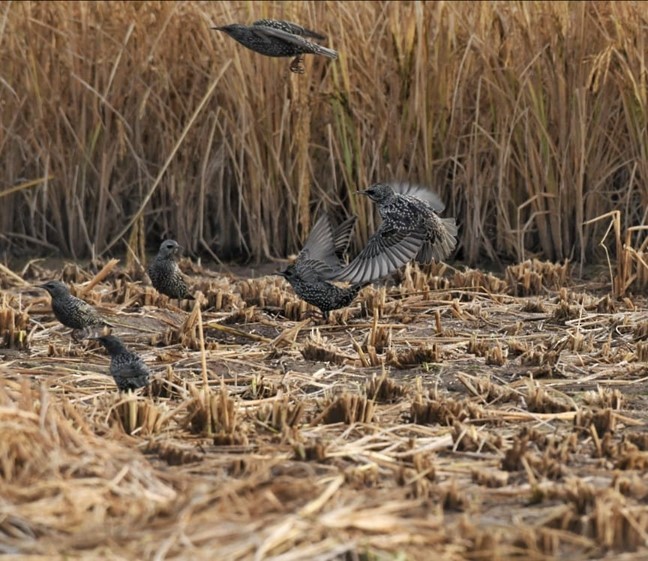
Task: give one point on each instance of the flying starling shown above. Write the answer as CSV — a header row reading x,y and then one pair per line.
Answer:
x,y
72,311
165,273
127,368
411,229
279,39
319,261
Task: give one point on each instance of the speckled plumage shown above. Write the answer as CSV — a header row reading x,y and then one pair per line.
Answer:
x,y
165,274
70,310
127,368
320,260
278,38
411,229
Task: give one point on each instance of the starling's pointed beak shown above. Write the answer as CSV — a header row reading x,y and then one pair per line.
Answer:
x,y
364,193
281,274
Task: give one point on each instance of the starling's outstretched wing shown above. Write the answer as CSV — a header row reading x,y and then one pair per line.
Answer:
x,y
420,192
320,245
387,250
313,271
290,27
326,244
298,40
342,236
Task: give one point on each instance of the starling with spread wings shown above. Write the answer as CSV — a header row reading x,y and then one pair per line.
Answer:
x,y
411,229
319,261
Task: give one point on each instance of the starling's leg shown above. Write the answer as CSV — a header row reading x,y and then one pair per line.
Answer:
x,y
296,65
79,334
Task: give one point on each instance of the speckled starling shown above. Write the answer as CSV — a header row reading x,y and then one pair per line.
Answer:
x,y
411,229
278,39
126,367
72,311
165,274
320,260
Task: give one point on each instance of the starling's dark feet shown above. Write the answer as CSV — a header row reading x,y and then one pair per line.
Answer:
x,y
297,65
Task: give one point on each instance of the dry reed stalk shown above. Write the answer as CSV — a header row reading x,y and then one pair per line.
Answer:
x,y
203,367
468,98
101,275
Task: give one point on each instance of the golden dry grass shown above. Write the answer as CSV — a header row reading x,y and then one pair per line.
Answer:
x,y
127,122
453,415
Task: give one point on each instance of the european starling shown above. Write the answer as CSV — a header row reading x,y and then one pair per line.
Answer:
x,y
165,273
411,229
126,367
278,39
320,260
70,310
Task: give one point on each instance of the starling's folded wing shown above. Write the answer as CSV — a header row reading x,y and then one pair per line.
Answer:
x,y
290,27
420,192
299,41
90,316
386,251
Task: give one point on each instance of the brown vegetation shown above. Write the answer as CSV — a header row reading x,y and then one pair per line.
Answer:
x,y
458,424
127,121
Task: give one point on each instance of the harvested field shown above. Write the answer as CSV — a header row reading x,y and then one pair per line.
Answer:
x,y
452,414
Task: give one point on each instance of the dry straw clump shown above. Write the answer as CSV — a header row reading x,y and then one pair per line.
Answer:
x,y
397,431
135,121
56,476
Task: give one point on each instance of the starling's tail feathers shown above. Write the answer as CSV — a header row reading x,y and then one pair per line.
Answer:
x,y
324,51
443,245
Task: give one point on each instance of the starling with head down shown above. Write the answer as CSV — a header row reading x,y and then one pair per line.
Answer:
x,y
72,311
127,368
277,38
319,261
411,229
165,274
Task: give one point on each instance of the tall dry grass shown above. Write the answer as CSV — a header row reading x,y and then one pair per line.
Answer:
x,y
135,118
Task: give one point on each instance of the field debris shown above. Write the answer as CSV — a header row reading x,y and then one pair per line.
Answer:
x,y
404,425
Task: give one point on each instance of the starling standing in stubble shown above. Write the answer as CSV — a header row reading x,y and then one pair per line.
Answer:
x,y
319,261
279,39
126,367
411,229
165,274
72,311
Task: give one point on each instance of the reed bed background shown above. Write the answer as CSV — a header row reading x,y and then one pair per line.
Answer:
x,y
128,122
